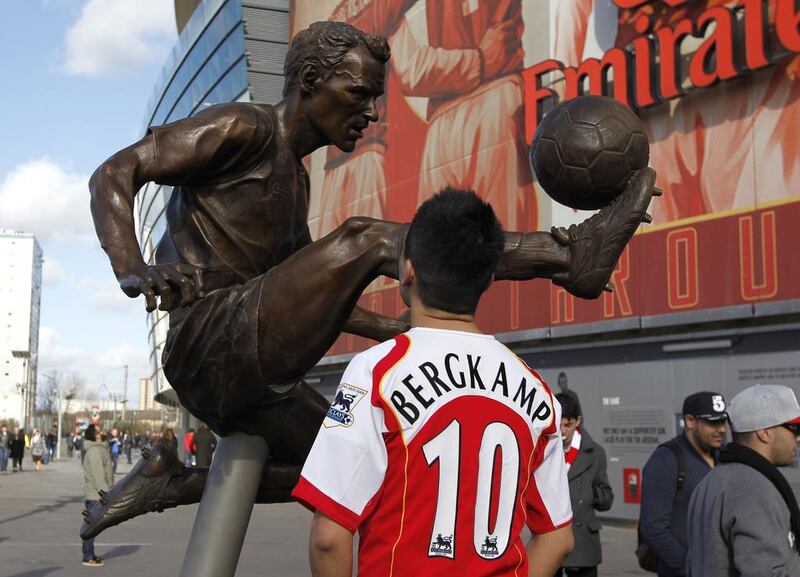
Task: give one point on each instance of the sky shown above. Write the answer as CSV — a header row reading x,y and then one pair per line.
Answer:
x,y
77,75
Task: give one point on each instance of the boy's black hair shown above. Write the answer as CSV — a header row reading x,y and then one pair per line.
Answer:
x,y
454,242
90,434
570,405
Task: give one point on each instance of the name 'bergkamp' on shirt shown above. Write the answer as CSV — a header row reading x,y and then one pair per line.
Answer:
x,y
438,448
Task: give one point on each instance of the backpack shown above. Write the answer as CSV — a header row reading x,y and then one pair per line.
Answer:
x,y
645,556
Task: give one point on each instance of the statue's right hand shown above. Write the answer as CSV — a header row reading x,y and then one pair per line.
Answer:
x,y
176,284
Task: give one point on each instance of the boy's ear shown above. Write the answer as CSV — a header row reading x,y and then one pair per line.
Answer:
x,y
408,273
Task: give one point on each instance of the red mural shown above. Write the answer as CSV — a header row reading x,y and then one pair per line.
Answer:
x,y
466,86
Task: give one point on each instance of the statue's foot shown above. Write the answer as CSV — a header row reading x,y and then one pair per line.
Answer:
x,y
142,490
597,243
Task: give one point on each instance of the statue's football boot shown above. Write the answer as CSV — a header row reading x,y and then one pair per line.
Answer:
x,y
597,243
142,490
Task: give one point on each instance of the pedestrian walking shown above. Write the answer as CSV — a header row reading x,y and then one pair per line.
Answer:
x,y
5,447
78,439
98,476
51,442
744,519
38,449
188,451
589,489
168,437
204,445
144,440
17,449
127,445
114,448
668,479
70,445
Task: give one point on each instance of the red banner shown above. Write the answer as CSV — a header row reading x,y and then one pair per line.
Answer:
x,y
704,264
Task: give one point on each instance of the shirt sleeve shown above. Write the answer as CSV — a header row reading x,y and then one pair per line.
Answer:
x,y
547,499
346,466
376,16
758,547
431,71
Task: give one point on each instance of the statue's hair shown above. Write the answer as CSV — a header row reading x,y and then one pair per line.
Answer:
x,y
325,44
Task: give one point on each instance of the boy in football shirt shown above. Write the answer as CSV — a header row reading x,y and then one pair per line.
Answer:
x,y
441,444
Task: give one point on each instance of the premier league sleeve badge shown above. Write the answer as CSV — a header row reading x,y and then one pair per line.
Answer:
x,y
340,413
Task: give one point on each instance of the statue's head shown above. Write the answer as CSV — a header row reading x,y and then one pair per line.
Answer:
x,y
339,72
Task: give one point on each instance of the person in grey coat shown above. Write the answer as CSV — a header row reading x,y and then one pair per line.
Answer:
x,y
589,490
744,519
98,477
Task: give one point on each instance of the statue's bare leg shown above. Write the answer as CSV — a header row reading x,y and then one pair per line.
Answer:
x,y
305,302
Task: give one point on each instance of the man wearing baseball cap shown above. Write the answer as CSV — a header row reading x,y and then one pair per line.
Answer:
x,y
743,517
668,479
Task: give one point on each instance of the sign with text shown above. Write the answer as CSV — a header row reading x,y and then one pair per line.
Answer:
x,y
714,81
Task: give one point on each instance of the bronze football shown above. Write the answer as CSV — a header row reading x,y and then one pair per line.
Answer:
x,y
585,150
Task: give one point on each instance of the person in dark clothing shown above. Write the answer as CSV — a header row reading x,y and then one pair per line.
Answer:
x,y
17,445
169,439
5,447
78,442
589,490
115,448
664,508
127,445
203,445
51,444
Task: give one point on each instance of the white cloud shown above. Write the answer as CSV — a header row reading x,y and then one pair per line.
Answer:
x,y
52,272
104,365
115,36
43,198
111,299
105,296
54,353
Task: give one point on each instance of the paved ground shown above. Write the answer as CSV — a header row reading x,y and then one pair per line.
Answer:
x,y
40,516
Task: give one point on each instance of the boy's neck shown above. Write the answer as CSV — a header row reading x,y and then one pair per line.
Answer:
x,y
422,316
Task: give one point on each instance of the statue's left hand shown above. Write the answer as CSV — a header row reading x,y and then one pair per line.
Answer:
x,y
176,284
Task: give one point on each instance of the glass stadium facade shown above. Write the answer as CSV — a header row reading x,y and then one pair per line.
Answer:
x,y
227,50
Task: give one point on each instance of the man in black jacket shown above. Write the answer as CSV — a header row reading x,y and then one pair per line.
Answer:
x,y
589,490
668,482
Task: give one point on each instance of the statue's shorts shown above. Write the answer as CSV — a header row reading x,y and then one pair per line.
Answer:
x,y
211,360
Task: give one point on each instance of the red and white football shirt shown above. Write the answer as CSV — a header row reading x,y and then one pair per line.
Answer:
x,y
438,447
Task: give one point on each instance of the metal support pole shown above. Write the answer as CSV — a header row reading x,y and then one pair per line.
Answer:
x,y
25,395
58,434
124,394
228,498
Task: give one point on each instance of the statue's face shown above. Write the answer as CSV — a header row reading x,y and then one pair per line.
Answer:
x,y
343,105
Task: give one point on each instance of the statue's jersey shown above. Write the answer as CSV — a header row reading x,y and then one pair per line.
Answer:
x,y
240,201
438,448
